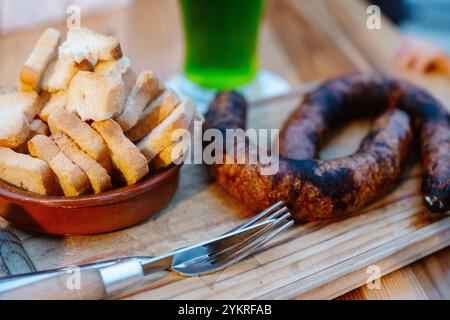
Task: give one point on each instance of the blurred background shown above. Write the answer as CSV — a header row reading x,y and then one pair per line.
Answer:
x,y
151,30
16,15
425,18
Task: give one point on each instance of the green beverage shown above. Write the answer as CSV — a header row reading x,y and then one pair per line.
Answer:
x,y
221,41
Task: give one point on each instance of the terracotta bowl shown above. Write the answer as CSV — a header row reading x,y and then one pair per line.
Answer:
x,y
90,214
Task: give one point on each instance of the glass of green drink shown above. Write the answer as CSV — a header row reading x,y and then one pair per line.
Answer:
x,y
221,42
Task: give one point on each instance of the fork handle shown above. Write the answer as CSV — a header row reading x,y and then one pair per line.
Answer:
x,y
56,287
81,283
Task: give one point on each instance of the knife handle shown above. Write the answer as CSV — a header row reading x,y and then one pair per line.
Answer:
x,y
79,283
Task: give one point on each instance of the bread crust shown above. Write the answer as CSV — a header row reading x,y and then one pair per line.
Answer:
x,y
72,179
116,52
56,101
58,75
94,96
172,154
28,173
121,70
14,132
146,88
125,156
42,54
163,135
84,136
37,126
17,109
154,114
84,44
29,79
176,152
99,179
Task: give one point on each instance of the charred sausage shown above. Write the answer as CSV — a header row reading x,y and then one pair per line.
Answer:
x,y
315,189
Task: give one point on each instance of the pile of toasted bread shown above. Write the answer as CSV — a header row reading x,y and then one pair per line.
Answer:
x,y
83,120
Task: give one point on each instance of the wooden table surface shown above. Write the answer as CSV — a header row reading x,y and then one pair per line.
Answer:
x,y
315,39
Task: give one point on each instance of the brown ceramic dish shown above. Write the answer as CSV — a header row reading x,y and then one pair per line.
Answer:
x,y
90,214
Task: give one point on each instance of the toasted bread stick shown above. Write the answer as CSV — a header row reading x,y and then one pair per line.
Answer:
x,y
56,100
94,96
72,179
17,109
146,88
98,177
84,44
153,114
37,126
125,156
84,136
164,134
43,53
28,173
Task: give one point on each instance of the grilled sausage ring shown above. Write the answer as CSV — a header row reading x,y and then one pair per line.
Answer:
x,y
314,189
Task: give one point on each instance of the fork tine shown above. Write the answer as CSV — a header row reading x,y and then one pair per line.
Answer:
x,y
272,216
254,237
236,244
265,215
220,244
227,242
278,213
250,248
257,234
259,226
219,263
259,217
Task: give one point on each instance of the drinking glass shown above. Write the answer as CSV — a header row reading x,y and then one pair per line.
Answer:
x,y
221,40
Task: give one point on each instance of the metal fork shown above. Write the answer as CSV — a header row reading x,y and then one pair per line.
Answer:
x,y
103,279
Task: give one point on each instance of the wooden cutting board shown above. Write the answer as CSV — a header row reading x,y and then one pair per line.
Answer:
x,y
302,41
314,260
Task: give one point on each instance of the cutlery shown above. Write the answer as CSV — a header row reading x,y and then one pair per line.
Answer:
x,y
108,278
